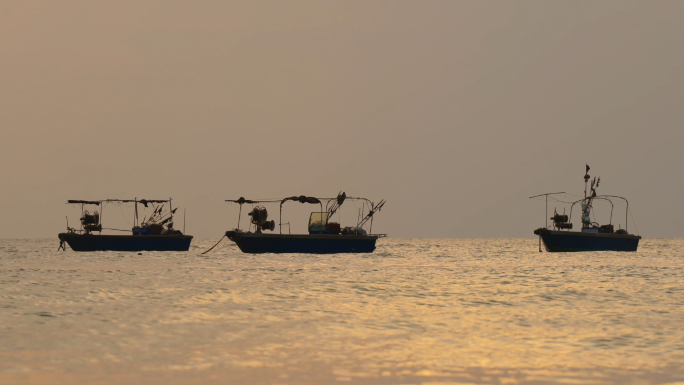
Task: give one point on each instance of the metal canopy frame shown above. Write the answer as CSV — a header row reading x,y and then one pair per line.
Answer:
x,y
589,198
135,201
307,199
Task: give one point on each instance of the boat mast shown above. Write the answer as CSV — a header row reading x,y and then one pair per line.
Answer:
x,y
586,180
135,221
586,219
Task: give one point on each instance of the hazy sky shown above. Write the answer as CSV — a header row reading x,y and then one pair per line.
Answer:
x,y
454,111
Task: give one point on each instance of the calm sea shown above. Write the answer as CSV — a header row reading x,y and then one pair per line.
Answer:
x,y
417,311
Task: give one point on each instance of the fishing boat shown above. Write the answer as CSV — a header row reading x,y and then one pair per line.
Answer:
x,y
593,236
154,233
324,236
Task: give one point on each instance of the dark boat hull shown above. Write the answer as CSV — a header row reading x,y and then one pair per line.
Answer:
x,y
568,241
83,242
256,243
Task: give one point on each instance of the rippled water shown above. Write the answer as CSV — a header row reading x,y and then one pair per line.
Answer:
x,y
483,311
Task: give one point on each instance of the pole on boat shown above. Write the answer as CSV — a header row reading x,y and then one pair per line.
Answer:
x,y
170,210
239,216
546,197
183,220
370,230
586,180
101,212
626,212
135,222
363,210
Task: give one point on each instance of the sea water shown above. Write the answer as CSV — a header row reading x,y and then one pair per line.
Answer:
x,y
461,311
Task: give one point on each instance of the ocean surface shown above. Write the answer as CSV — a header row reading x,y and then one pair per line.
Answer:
x,y
417,311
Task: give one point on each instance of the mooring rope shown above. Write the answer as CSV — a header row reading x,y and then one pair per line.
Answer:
x,y
540,241
212,248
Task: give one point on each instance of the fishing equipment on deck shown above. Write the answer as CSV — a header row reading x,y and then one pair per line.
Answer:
x,y
259,216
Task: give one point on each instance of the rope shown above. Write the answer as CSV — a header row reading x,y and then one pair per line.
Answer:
x,y
124,215
633,222
212,248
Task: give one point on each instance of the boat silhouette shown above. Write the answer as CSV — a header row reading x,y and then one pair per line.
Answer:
x,y
154,233
593,236
324,236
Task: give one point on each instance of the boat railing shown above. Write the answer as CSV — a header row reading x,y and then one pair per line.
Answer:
x,y
606,198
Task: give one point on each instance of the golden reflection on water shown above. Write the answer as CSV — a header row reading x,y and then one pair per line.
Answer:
x,y
484,311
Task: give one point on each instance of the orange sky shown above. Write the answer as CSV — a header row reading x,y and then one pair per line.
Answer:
x,y
453,111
